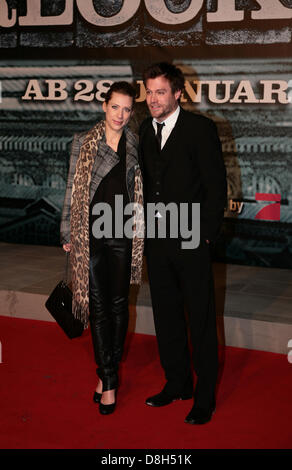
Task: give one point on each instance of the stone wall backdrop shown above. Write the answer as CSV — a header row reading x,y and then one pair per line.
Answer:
x,y
57,59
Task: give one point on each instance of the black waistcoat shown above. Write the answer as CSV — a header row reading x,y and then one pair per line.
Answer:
x,y
156,163
155,166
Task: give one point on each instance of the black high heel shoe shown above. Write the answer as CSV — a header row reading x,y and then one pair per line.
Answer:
x,y
107,409
97,397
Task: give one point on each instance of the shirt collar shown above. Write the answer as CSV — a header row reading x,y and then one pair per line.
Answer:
x,y
170,120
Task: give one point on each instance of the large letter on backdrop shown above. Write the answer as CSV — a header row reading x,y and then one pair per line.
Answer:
x,y
88,12
271,9
269,91
34,17
5,21
225,12
161,13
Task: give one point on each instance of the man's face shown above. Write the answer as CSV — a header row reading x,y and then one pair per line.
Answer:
x,y
160,99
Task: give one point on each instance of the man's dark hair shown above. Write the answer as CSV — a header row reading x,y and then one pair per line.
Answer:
x,y
172,73
121,87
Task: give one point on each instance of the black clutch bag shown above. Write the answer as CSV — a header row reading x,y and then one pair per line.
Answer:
x,y
59,304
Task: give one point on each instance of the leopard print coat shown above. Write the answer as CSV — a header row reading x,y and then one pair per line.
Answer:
x,y
88,173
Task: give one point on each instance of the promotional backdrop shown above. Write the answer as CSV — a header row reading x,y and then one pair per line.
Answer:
x,y
57,59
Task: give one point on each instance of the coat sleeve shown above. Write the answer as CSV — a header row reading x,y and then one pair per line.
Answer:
x,y
143,128
65,218
213,179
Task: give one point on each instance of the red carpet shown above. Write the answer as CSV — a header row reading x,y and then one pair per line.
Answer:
x,y
47,382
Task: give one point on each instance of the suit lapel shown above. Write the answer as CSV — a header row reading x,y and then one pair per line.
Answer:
x,y
131,150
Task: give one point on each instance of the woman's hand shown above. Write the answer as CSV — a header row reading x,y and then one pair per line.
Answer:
x,y
67,247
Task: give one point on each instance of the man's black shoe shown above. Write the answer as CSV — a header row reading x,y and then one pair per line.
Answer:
x,y
199,415
163,398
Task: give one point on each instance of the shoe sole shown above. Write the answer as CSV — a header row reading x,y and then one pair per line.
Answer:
x,y
193,421
165,404
107,409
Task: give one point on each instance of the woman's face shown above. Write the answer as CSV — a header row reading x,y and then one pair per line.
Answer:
x,y
118,111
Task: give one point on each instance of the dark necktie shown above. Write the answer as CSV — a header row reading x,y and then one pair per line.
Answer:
x,y
158,134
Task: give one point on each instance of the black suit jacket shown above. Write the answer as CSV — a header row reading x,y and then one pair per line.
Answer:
x,y
192,168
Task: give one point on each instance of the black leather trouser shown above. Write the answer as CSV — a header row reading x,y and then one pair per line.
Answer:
x,y
109,280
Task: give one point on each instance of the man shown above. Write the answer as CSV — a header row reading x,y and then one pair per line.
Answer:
x,y
182,163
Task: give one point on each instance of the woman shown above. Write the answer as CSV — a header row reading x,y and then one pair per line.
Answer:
x,y
104,164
